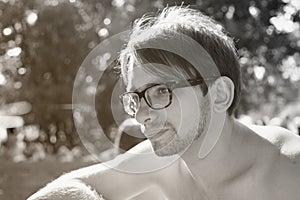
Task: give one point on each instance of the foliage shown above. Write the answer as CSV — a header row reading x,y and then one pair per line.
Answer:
x,y
43,43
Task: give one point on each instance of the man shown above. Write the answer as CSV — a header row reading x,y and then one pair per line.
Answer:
x,y
182,85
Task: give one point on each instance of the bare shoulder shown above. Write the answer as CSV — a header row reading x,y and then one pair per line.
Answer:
x,y
139,159
287,142
133,172
279,161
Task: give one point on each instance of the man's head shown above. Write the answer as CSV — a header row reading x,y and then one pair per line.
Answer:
x,y
142,65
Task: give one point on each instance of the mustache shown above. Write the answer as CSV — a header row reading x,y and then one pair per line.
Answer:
x,y
155,128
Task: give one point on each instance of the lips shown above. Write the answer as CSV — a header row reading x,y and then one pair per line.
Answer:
x,y
153,135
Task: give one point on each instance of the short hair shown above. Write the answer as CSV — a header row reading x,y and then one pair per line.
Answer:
x,y
192,23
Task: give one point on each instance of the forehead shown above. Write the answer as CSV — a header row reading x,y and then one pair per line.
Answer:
x,y
140,76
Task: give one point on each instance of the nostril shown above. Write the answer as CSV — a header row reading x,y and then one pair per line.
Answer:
x,y
144,116
147,120
145,125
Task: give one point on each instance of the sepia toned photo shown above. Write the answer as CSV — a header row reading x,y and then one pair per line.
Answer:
x,y
140,100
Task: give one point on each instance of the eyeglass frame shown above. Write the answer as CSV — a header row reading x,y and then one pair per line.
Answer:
x,y
171,85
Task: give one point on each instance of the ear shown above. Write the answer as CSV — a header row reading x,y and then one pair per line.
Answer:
x,y
223,89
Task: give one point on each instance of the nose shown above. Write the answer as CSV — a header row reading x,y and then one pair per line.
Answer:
x,y
144,115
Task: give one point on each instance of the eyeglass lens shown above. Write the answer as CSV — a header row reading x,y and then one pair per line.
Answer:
x,y
157,97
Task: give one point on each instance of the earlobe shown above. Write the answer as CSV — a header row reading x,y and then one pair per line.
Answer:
x,y
224,94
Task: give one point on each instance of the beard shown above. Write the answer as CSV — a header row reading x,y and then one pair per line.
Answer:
x,y
169,148
171,143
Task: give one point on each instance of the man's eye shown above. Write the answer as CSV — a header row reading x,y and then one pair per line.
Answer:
x,y
162,91
158,91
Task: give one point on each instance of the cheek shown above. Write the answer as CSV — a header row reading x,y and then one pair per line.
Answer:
x,y
184,112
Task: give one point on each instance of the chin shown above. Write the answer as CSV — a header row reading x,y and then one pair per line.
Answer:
x,y
167,150
161,153
172,145
162,150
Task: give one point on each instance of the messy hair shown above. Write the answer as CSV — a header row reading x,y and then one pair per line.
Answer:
x,y
192,23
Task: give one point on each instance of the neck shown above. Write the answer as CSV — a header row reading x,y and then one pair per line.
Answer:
x,y
220,163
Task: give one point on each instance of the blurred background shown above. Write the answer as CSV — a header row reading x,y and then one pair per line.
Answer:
x,y
44,42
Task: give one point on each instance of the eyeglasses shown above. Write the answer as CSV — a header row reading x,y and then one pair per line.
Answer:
x,y
157,96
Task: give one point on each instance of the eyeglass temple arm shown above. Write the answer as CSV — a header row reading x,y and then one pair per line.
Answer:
x,y
191,82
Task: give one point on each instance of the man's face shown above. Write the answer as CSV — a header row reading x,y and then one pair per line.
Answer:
x,y
171,130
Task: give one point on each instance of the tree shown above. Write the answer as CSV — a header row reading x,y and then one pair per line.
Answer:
x,y
43,43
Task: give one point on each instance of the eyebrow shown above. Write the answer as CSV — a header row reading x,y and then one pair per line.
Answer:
x,y
139,89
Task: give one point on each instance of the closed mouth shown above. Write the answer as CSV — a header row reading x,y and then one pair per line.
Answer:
x,y
157,134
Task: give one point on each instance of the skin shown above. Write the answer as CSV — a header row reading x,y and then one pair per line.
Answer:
x,y
168,130
247,162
